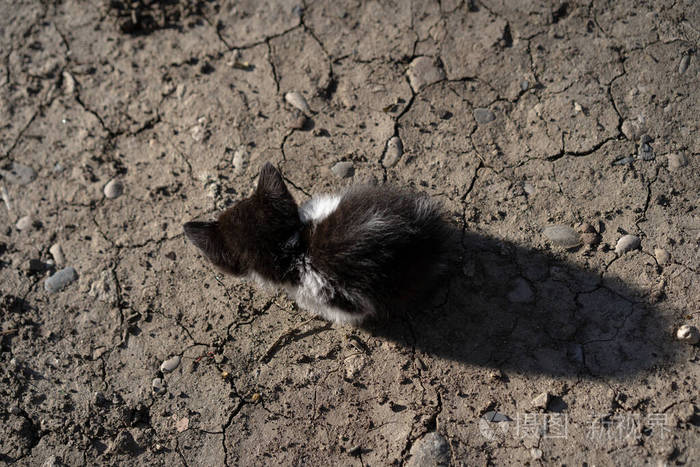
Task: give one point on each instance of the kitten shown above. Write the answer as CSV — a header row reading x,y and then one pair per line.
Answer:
x,y
344,257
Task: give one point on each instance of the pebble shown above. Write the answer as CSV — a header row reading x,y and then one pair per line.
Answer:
x,y
482,115
19,174
113,189
688,334
624,160
562,235
158,386
296,100
524,85
170,364
685,62
424,71
343,169
51,461
536,453
394,151
630,130
627,243
676,161
60,279
541,401
645,152
57,253
662,256
25,223
521,292
645,139
240,160
432,449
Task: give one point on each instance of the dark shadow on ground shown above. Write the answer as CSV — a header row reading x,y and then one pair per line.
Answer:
x,y
528,311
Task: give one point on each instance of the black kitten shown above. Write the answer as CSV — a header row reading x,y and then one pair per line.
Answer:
x,y
343,257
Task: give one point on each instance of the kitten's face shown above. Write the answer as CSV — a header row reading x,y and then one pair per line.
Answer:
x,y
248,236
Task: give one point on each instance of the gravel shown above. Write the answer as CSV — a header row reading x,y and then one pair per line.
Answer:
x,y
343,169
645,152
688,334
627,243
483,116
541,401
240,160
394,151
296,100
431,450
562,235
25,223
57,253
60,279
424,71
662,256
158,386
18,174
113,189
170,364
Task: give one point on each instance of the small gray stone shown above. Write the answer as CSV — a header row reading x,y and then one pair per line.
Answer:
x,y
562,235
394,150
645,152
18,174
170,364
431,450
424,71
123,443
676,161
483,116
158,386
524,85
60,279
343,169
25,223
685,62
521,292
645,139
541,401
627,243
240,160
662,256
113,189
630,130
688,334
57,253
297,100
624,161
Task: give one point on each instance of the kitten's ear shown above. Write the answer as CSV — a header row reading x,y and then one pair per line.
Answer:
x,y
205,236
271,184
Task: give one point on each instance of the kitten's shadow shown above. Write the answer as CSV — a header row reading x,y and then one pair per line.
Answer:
x,y
528,311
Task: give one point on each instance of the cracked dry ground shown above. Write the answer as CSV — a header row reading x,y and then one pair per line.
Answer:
x,y
517,115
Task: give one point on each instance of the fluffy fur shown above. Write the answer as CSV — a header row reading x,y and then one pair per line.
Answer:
x,y
344,257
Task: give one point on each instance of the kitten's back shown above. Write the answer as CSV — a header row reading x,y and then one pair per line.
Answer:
x,y
387,244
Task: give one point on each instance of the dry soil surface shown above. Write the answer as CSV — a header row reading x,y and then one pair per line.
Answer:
x,y
549,130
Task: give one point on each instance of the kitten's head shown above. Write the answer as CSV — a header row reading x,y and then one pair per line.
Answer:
x,y
251,235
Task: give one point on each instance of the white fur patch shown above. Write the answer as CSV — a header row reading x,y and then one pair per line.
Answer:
x,y
318,208
314,293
